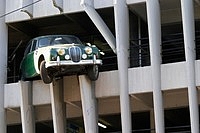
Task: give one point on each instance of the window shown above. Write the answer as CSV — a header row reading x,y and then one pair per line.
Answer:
x,y
33,45
28,48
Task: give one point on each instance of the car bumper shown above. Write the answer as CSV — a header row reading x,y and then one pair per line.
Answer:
x,y
69,62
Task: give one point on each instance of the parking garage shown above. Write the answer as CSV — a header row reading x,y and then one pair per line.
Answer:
x,y
177,118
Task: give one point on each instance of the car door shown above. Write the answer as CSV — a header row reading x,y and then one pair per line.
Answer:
x,y
27,66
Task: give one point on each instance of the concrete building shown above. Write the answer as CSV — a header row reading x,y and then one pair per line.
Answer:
x,y
150,77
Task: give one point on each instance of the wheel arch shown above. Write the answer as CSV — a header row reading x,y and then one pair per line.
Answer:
x,y
41,58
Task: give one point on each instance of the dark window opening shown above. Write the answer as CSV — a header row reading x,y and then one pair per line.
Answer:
x,y
177,120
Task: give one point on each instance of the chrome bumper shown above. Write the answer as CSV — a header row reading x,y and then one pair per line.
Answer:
x,y
71,63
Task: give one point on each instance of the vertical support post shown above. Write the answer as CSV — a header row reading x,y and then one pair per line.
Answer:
x,y
3,64
88,99
189,42
122,42
27,113
140,42
154,27
58,106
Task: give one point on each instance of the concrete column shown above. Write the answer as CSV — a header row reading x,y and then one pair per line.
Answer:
x,y
189,41
27,111
3,64
154,27
89,106
58,106
122,42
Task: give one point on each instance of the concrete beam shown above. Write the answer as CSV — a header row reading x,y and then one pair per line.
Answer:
x,y
173,77
135,1
88,6
145,98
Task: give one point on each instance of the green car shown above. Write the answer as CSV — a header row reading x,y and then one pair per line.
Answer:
x,y
57,55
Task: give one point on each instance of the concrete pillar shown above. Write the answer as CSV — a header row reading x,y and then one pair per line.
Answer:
x,y
3,64
189,41
58,106
89,106
122,42
27,111
154,27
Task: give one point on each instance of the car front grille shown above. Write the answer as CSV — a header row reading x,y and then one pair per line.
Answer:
x,y
75,53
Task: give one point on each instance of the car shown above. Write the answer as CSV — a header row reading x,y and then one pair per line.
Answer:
x,y
53,56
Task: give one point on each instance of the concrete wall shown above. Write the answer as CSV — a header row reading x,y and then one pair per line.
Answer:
x,y
15,16
173,77
46,8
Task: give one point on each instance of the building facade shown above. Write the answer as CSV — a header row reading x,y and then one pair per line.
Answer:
x,y
150,77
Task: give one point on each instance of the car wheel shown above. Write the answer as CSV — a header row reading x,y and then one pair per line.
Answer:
x,y
93,72
44,74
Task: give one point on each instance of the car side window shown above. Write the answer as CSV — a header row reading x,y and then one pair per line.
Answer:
x,y
27,48
33,45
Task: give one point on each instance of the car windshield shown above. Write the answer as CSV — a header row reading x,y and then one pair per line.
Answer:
x,y
53,40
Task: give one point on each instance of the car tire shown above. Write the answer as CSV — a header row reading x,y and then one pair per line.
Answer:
x,y
44,74
93,72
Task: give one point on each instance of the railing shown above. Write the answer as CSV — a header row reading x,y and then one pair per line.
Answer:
x,y
172,50
178,129
175,129
139,52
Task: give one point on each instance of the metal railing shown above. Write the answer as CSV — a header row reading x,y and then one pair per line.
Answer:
x,y
174,129
172,50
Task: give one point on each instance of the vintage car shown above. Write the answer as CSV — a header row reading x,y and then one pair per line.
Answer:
x,y
57,55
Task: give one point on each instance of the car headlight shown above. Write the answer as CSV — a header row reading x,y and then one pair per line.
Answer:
x,y
88,50
61,51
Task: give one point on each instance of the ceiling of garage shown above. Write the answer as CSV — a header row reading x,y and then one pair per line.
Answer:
x,y
78,24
